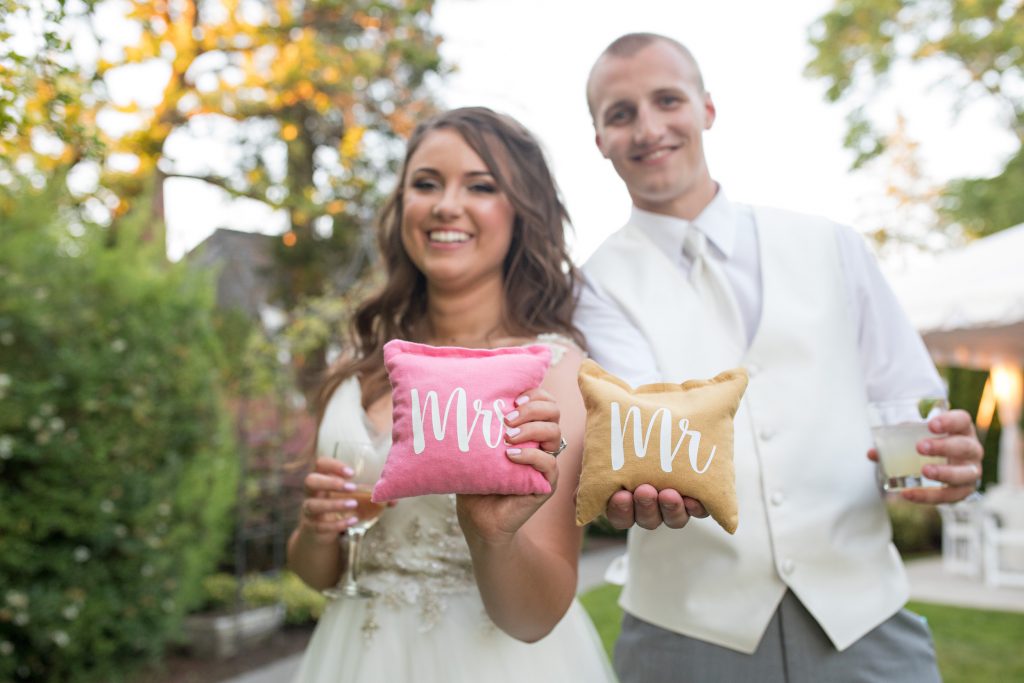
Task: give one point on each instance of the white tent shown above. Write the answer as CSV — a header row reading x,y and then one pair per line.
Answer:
x,y
968,305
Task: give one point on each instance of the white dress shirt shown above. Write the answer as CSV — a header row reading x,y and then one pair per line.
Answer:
x,y
894,360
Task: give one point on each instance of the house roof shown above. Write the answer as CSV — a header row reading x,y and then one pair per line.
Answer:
x,y
246,265
968,303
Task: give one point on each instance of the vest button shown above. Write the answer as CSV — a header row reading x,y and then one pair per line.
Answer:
x,y
788,566
777,498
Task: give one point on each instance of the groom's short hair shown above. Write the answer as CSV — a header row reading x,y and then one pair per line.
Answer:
x,y
631,43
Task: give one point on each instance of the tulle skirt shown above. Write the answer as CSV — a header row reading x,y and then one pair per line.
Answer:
x,y
396,645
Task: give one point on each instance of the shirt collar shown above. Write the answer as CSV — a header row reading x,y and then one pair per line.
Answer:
x,y
717,221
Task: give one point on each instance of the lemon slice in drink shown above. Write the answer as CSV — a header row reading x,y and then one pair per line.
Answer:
x,y
926,405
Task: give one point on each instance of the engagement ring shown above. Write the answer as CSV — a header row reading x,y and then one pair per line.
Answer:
x,y
561,447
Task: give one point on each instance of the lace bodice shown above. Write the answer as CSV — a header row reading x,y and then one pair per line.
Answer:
x,y
416,554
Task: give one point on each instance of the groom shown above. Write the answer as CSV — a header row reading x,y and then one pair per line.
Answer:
x,y
810,588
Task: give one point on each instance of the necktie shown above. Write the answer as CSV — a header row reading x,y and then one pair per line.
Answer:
x,y
713,289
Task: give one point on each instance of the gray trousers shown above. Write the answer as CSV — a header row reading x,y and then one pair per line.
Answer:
x,y
794,649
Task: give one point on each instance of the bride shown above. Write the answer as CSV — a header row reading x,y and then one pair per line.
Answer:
x,y
473,243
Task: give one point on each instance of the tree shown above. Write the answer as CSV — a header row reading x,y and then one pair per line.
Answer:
x,y
977,44
47,118
300,86
904,213
313,96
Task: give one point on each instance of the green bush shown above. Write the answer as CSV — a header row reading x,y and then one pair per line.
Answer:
x,y
916,529
260,590
602,528
220,592
965,388
117,463
302,604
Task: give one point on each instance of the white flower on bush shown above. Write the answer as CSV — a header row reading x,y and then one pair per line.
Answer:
x,y
16,599
147,570
60,638
163,509
35,423
21,619
70,612
107,505
7,338
6,648
81,554
5,383
56,425
6,447
118,345
120,530
47,409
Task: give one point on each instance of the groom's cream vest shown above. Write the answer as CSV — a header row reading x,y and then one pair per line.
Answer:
x,y
810,514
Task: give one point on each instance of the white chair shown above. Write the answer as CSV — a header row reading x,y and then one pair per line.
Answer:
x,y
961,538
1003,537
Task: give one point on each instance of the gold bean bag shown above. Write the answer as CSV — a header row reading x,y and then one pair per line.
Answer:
x,y
677,436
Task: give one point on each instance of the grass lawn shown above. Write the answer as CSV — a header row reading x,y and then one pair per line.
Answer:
x,y
974,646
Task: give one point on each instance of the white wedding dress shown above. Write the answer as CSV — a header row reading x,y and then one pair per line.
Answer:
x,y
427,623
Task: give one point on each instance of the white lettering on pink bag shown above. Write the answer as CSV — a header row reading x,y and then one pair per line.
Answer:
x,y
463,428
640,443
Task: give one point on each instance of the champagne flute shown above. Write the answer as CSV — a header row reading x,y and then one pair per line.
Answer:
x,y
366,467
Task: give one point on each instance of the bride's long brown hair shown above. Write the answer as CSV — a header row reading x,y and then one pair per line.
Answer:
x,y
540,281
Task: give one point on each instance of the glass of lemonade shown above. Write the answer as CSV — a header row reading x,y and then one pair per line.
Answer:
x,y
897,426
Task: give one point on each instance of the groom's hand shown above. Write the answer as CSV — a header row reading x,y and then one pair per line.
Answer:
x,y
956,440
649,508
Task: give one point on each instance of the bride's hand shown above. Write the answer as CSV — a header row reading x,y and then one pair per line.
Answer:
x,y
326,509
496,518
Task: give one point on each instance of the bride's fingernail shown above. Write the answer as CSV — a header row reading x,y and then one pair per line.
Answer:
x,y
514,452
352,520
522,399
511,416
512,431
348,471
348,486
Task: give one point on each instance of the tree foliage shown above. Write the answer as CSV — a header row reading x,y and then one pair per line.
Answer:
x,y
47,113
301,87
906,210
298,104
986,205
978,45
